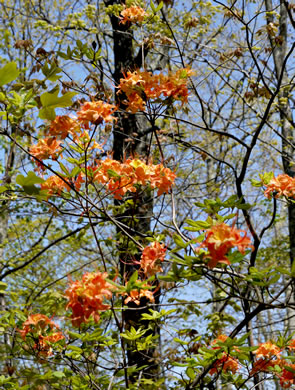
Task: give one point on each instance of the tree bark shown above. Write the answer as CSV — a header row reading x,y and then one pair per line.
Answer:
x,y
132,134
279,52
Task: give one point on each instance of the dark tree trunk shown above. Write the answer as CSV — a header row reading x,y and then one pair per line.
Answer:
x,y
132,134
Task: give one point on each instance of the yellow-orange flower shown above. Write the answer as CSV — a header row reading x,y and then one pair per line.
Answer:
x,y
46,148
37,323
282,185
62,126
54,185
120,178
267,350
136,295
219,239
86,297
291,345
133,14
225,363
43,331
96,112
287,378
140,87
152,257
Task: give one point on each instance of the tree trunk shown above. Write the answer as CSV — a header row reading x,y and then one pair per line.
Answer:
x,y
131,138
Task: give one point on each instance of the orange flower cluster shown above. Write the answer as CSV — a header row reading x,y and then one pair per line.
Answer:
x,y
54,185
287,378
219,239
86,297
226,362
43,331
282,185
62,126
269,357
267,350
96,112
135,295
123,177
140,87
46,148
151,258
133,14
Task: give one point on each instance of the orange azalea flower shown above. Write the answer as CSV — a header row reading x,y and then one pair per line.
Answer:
x,y
136,295
267,350
291,345
162,178
85,142
151,258
122,177
133,14
287,378
226,363
221,337
62,126
46,148
86,297
39,325
54,185
263,365
219,239
43,344
96,113
282,185
139,87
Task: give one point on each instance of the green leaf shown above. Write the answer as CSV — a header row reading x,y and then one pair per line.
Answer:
x,y
3,287
112,173
28,182
190,373
8,73
51,72
58,374
179,241
153,7
51,100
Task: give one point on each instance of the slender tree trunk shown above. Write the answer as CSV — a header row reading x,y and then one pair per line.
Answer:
x,y
132,134
279,54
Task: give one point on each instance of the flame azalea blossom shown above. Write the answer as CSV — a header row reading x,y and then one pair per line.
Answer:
x,y
62,126
263,365
86,297
226,362
287,378
140,87
96,112
46,148
43,331
54,185
282,185
123,177
291,345
151,258
136,295
267,350
219,239
133,14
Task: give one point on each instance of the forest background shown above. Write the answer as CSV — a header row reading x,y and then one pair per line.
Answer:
x,y
147,195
